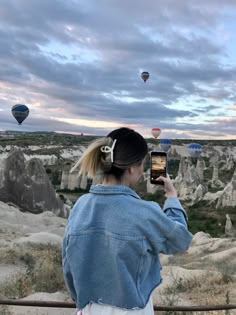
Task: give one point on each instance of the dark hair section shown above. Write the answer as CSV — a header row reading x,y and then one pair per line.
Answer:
x,y
130,148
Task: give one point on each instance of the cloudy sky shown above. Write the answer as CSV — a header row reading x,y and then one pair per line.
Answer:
x,y
77,63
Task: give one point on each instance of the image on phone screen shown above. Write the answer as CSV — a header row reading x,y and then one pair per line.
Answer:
x,y
158,166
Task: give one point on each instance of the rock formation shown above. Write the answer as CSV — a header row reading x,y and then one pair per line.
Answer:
x,y
229,229
151,189
2,167
216,182
71,179
200,167
26,184
199,193
228,163
228,195
173,154
189,178
64,178
214,157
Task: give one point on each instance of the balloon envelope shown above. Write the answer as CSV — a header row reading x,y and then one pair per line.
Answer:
x,y
195,149
20,112
165,144
156,132
145,76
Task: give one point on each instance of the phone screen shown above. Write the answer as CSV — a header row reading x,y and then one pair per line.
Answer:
x,y
158,166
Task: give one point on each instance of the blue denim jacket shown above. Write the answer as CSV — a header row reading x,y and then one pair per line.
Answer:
x,y
112,243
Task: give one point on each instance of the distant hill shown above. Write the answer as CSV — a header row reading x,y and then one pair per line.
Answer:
x,y
43,138
53,138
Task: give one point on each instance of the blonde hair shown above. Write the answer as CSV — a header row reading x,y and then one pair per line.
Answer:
x,y
93,159
126,148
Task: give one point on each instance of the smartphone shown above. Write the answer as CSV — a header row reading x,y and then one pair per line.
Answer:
x,y
158,166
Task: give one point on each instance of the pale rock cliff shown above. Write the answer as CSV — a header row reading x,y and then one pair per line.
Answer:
x,y
199,193
173,154
146,177
64,179
83,182
200,167
214,157
45,158
189,178
70,179
229,229
228,195
26,184
73,180
216,182
227,163
2,177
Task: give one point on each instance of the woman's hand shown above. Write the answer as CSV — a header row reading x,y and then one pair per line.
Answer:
x,y
168,186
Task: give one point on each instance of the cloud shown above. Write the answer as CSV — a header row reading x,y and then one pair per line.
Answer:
x,y
233,107
77,60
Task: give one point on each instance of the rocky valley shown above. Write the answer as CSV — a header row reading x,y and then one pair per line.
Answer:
x,y
38,187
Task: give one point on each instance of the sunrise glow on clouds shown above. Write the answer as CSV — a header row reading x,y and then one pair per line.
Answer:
x,y
78,67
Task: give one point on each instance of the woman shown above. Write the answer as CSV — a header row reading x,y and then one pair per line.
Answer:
x,y
113,238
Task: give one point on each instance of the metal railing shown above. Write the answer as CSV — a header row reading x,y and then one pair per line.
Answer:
x,y
176,308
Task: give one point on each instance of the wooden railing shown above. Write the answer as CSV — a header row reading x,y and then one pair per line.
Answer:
x,y
176,308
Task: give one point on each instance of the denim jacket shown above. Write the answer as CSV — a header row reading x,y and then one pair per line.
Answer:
x,y
112,243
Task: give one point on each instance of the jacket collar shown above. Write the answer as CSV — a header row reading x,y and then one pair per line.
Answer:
x,y
111,190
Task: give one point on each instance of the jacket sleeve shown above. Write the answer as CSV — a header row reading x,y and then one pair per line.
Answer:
x,y
169,230
174,210
179,238
67,272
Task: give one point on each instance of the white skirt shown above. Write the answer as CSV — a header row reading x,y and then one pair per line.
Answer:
x,y
102,309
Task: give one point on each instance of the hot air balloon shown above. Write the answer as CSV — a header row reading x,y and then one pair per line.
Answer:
x,y
156,132
20,112
145,76
195,150
165,144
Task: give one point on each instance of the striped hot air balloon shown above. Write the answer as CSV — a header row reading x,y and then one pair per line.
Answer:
x,y
156,132
20,112
144,75
195,149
